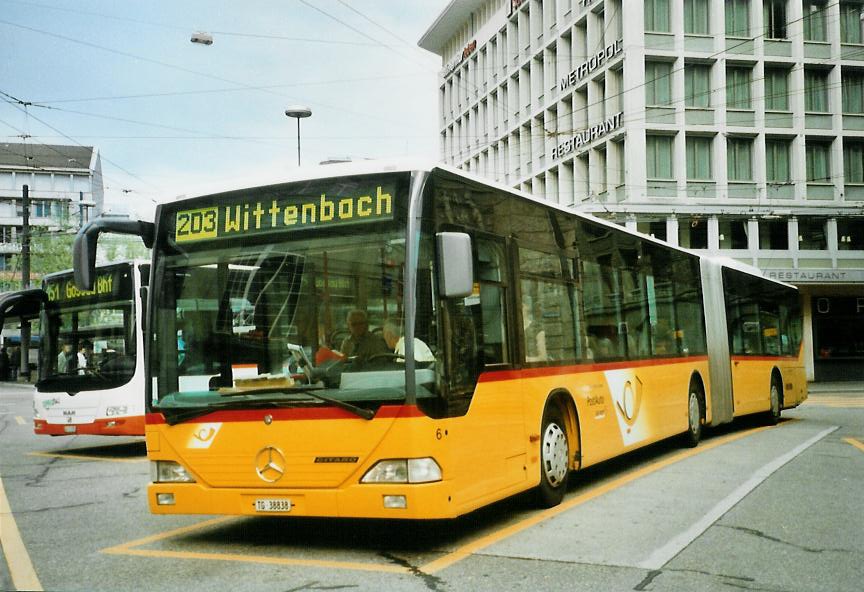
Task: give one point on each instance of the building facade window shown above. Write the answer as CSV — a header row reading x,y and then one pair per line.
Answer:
x,y
811,234
853,92
697,85
652,227
816,91
696,17
853,162
776,89
658,151
739,159
658,83
732,233
814,20
850,234
738,87
738,18
699,158
774,18
657,16
773,235
818,162
850,22
693,233
777,161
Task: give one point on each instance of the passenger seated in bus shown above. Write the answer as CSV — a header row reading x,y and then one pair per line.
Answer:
x,y
361,345
535,333
396,343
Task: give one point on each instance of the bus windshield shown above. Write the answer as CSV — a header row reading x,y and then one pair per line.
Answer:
x,y
88,337
285,323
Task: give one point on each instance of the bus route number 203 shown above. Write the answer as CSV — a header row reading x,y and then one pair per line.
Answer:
x,y
192,225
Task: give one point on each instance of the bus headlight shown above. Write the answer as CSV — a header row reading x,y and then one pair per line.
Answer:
x,y
168,471
116,410
404,470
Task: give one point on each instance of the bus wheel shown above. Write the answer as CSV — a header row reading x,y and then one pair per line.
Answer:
x,y
694,417
773,414
554,458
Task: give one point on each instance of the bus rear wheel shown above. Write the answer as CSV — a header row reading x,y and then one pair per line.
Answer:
x,y
694,417
772,416
554,458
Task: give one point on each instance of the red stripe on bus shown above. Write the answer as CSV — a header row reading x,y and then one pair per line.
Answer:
x,y
763,358
498,375
299,413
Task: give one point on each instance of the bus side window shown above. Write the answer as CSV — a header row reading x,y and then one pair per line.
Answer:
x,y
492,276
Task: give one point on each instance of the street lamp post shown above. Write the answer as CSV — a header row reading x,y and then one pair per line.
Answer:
x,y
298,112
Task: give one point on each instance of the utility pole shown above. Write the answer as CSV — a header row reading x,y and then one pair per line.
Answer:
x,y
80,209
25,280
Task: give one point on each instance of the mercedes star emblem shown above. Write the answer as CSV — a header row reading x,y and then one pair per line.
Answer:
x,y
270,464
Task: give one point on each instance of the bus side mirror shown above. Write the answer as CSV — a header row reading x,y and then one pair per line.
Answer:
x,y
84,248
455,265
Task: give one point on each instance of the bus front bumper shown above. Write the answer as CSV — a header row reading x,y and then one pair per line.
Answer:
x,y
113,426
405,501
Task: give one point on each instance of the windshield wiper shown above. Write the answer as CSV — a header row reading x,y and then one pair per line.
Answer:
x,y
175,415
359,411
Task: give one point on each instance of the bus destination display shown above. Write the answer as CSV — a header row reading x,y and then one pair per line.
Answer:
x,y
259,217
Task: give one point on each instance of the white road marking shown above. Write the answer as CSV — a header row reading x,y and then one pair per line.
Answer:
x,y
667,552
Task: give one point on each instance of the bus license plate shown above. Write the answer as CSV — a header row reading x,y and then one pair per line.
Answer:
x,y
70,429
272,505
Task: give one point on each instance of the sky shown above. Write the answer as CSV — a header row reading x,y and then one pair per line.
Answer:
x,y
169,116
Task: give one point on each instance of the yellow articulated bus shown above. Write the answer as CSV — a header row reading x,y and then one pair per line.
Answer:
x,y
415,342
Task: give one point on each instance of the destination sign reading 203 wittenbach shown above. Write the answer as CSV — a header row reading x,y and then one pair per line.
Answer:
x,y
281,214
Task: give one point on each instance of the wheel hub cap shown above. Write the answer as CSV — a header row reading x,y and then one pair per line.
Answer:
x,y
694,413
555,454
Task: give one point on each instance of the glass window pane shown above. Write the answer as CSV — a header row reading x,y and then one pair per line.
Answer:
x,y
696,17
697,88
814,21
698,158
818,162
739,159
659,157
777,161
776,89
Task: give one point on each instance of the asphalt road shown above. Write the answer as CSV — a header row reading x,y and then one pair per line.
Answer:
x,y
751,508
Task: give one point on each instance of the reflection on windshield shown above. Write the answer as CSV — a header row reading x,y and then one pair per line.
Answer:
x,y
324,315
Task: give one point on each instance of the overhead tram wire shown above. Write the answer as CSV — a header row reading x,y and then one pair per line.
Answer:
x,y
71,139
242,85
59,153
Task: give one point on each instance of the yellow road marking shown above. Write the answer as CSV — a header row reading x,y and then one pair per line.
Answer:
x,y
20,420
131,548
856,443
487,540
20,567
87,457
839,402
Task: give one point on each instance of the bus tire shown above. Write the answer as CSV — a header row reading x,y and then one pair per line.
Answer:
x,y
695,415
772,416
554,457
